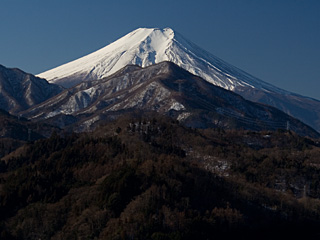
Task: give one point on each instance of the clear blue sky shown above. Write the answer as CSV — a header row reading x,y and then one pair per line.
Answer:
x,y
277,41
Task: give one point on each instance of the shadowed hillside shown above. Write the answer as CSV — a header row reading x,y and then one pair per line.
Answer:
x,y
151,178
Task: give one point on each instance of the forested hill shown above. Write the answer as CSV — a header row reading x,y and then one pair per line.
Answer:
x,y
151,178
15,131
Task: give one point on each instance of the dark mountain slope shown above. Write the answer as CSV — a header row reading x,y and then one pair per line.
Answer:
x,y
303,108
22,129
20,90
150,178
16,131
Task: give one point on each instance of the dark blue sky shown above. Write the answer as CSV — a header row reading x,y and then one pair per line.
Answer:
x,y
277,41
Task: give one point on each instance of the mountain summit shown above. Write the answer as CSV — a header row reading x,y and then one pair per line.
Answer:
x,y
148,46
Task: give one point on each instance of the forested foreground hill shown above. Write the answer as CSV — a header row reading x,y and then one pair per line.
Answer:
x,y
150,178
15,131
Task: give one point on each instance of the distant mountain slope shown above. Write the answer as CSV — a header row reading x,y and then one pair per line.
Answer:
x,y
304,108
147,46
165,88
20,90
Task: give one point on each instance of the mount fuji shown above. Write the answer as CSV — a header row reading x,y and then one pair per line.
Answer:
x,y
148,46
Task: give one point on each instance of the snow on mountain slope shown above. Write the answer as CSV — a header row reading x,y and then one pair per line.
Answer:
x,y
164,88
147,46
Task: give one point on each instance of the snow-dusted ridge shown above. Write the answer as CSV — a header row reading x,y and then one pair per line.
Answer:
x,y
147,46
164,88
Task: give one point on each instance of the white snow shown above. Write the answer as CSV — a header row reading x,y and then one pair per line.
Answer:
x,y
147,46
176,106
183,116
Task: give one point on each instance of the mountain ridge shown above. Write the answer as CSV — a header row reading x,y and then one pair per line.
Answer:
x,y
165,88
20,90
147,46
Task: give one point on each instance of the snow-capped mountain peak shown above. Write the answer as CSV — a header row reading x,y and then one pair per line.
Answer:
x,y
143,47
147,46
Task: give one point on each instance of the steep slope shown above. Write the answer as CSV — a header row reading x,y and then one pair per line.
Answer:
x,y
20,90
165,88
147,46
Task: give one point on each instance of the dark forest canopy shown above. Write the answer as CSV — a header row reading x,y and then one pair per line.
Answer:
x,y
151,178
